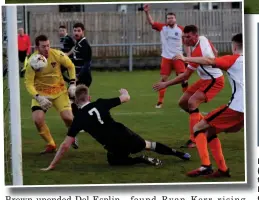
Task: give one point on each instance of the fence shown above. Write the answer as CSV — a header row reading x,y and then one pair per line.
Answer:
x,y
126,28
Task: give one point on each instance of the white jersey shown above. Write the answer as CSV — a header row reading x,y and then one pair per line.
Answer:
x,y
171,39
204,48
234,66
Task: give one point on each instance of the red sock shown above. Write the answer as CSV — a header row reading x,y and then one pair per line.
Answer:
x,y
193,119
201,144
161,95
216,150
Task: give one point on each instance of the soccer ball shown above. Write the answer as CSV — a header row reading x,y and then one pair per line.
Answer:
x,y
38,62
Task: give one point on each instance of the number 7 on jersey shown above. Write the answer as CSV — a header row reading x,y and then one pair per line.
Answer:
x,y
94,110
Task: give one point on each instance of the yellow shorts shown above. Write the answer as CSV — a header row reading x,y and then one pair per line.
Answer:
x,y
60,103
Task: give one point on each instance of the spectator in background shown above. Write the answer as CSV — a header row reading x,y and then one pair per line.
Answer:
x,y
24,48
66,42
66,45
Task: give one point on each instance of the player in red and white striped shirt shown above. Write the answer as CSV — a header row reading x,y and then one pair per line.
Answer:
x,y
171,39
227,118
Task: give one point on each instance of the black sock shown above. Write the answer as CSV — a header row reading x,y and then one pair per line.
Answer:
x,y
138,160
194,111
165,150
184,84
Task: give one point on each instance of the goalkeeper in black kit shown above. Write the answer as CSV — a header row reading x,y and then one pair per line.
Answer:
x,y
117,139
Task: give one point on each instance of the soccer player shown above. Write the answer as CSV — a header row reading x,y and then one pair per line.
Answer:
x,y
227,118
47,88
204,90
171,39
66,45
82,57
117,139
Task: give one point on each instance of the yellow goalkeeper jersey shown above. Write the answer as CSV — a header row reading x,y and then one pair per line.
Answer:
x,y
49,81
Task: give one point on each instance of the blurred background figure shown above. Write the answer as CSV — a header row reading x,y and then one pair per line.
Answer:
x,y
24,49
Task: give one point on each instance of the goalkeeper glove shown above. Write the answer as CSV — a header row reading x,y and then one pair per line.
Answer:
x,y
72,89
44,102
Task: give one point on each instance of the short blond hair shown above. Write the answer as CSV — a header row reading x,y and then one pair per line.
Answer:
x,y
81,93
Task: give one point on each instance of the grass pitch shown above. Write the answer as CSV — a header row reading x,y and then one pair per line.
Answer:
x,y
169,125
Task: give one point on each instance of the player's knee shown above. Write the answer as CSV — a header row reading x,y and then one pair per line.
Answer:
x,y
182,103
192,104
196,127
38,121
67,117
68,120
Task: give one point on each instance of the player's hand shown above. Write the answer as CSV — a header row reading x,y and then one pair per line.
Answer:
x,y
124,92
146,7
51,167
124,97
44,102
179,57
72,90
159,86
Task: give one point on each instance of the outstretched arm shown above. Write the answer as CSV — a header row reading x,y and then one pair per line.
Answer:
x,y
198,60
64,147
149,18
179,79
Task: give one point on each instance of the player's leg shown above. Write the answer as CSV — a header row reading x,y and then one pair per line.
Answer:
x,y
165,71
206,91
184,104
117,159
200,136
183,101
22,55
194,114
217,153
222,119
84,76
38,117
179,67
165,150
128,142
63,106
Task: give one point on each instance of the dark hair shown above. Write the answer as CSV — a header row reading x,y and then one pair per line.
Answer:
x,y
63,26
171,14
79,25
238,38
190,28
40,38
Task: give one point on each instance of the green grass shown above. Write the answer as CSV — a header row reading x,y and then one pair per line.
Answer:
x,y
251,6
168,125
